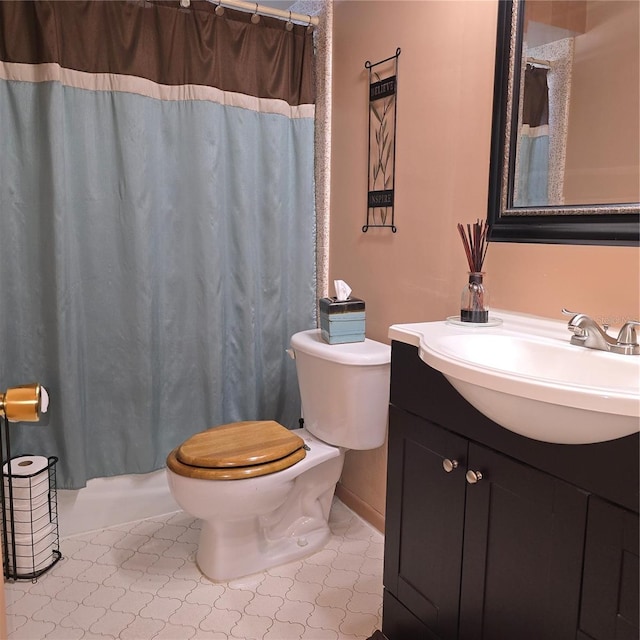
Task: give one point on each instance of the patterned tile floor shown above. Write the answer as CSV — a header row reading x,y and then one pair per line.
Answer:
x,y
139,581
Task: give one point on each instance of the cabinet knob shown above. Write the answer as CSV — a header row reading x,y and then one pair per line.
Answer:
x,y
473,476
449,465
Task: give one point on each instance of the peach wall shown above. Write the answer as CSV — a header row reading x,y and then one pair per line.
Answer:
x,y
603,143
444,126
3,615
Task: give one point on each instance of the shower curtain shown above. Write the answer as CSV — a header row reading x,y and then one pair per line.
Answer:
x,y
157,234
532,185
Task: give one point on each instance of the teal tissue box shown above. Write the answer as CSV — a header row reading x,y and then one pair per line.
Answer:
x,y
342,320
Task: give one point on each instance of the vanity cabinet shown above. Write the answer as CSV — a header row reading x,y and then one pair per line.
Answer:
x,y
610,585
492,536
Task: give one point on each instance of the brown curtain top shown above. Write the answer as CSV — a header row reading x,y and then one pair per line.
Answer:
x,y
163,43
535,108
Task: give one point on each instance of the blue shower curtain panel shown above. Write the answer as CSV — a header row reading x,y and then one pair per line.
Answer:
x,y
532,185
156,256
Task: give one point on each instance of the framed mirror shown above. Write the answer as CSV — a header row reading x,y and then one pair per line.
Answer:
x,y
565,147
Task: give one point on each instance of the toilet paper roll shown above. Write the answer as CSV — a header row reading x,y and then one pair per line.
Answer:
x,y
22,508
34,538
33,552
27,503
29,478
29,520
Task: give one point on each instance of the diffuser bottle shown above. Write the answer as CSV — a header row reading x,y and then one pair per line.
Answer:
x,y
474,302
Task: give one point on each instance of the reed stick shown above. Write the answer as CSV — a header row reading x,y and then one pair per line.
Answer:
x,y
474,241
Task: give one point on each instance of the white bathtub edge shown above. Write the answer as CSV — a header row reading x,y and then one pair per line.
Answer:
x,y
106,502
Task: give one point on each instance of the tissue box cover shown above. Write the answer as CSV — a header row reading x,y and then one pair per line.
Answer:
x,y
342,320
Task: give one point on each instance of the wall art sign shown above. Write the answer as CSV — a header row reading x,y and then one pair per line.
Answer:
x,y
381,157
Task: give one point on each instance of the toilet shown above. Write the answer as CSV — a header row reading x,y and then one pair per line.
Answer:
x,y
262,491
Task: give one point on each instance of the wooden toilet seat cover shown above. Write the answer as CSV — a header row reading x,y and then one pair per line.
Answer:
x,y
237,450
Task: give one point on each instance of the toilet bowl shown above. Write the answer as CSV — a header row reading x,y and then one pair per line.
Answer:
x,y
264,492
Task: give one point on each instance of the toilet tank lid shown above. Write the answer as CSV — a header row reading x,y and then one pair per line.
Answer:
x,y
365,353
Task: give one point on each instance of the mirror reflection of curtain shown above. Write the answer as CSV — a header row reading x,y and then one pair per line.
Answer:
x,y
532,185
559,54
157,223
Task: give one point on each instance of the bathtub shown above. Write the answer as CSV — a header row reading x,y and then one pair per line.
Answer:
x,y
105,502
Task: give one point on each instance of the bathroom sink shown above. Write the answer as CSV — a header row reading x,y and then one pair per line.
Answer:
x,y
524,375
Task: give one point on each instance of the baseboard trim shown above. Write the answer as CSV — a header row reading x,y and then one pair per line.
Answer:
x,y
359,506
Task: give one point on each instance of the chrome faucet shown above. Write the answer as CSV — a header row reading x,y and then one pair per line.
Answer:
x,y
588,333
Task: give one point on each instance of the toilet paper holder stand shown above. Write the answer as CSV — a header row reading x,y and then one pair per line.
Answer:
x,y
29,512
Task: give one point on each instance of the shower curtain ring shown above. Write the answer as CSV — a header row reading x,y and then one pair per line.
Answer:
x,y
289,24
255,18
309,26
219,8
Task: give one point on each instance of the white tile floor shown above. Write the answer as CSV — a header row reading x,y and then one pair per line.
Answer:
x,y
139,581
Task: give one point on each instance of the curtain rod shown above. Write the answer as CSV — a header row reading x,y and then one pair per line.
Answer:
x,y
255,7
541,63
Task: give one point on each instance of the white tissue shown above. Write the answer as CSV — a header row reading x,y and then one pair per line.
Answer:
x,y
32,489
343,290
33,552
44,400
27,519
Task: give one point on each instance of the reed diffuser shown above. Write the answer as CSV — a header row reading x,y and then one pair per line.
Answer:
x,y
474,303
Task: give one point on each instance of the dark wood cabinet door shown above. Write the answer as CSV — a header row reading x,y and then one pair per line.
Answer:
x,y
398,623
523,548
425,521
610,584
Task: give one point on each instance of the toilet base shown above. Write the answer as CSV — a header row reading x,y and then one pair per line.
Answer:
x,y
231,548
251,555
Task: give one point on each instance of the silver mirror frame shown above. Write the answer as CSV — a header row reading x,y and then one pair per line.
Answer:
x,y
575,224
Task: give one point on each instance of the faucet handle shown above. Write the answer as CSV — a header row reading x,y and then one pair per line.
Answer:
x,y
575,326
628,334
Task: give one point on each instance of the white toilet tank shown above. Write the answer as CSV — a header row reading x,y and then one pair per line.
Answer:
x,y
344,389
